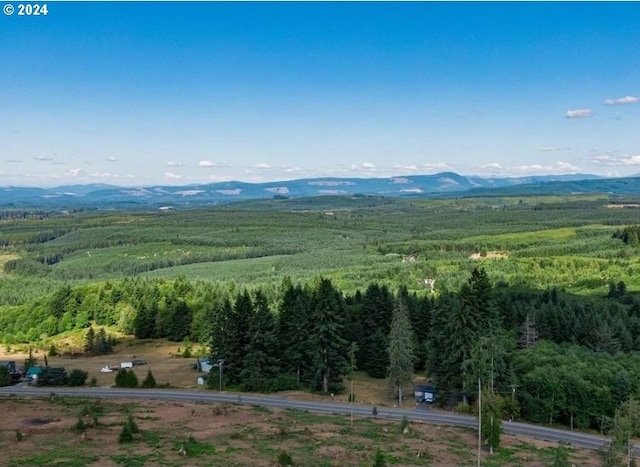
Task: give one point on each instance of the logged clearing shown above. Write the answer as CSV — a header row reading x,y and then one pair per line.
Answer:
x,y
4,259
178,434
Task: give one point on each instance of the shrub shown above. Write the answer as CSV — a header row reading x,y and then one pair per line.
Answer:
x,y
80,425
284,459
126,378
52,376
77,377
5,376
404,423
462,408
126,435
53,351
149,381
379,460
93,382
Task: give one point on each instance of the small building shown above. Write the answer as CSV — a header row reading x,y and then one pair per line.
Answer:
x,y
10,365
202,380
425,393
126,364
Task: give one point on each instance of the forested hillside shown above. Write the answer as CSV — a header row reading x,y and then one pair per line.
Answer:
x,y
536,297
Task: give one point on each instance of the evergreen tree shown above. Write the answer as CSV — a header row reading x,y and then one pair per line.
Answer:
x,y
102,344
149,381
378,360
294,333
260,363
237,337
528,333
90,340
329,346
400,350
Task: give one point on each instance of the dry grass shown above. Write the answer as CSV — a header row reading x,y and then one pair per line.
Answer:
x,y
237,435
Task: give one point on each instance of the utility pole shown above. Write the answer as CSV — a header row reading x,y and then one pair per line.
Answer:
x,y
220,363
479,421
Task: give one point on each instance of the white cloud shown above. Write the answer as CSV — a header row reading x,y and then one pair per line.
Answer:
x,y
209,164
174,164
112,159
622,100
263,166
492,165
408,168
172,176
579,113
368,165
83,174
611,159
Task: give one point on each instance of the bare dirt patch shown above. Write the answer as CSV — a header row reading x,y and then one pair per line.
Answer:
x,y
228,434
489,255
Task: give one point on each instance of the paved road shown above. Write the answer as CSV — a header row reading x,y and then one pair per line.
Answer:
x,y
419,414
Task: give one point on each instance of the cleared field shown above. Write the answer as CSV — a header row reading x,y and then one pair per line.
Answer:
x,y
177,434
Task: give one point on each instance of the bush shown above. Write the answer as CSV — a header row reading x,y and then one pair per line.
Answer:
x,y
5,376
93,382
52,376
149,382
80,425
77,377
404,424
379,460
462,408
284,459
126,378
126,435
53,351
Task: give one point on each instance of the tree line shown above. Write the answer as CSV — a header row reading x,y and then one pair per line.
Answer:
x,y
552,357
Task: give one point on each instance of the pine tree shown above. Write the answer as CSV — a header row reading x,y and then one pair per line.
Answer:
x,y
149,381
329,346
237,337
261,363
400,350
102,345
90,340
294,333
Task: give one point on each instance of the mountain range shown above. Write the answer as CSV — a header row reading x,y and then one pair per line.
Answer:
x,y
435,185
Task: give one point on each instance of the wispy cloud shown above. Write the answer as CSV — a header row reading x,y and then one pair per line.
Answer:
x,y
174,164
172,176
112,159
210,164
407,168
553,149
368,165
263,166
492,165
613,159
579,113
436,166
43,158
622,100
15,161
84,174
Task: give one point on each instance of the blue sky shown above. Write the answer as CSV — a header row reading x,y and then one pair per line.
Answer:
x,y
177,93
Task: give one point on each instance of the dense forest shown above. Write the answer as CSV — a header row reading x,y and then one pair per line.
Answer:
x,y
537,297
562,358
